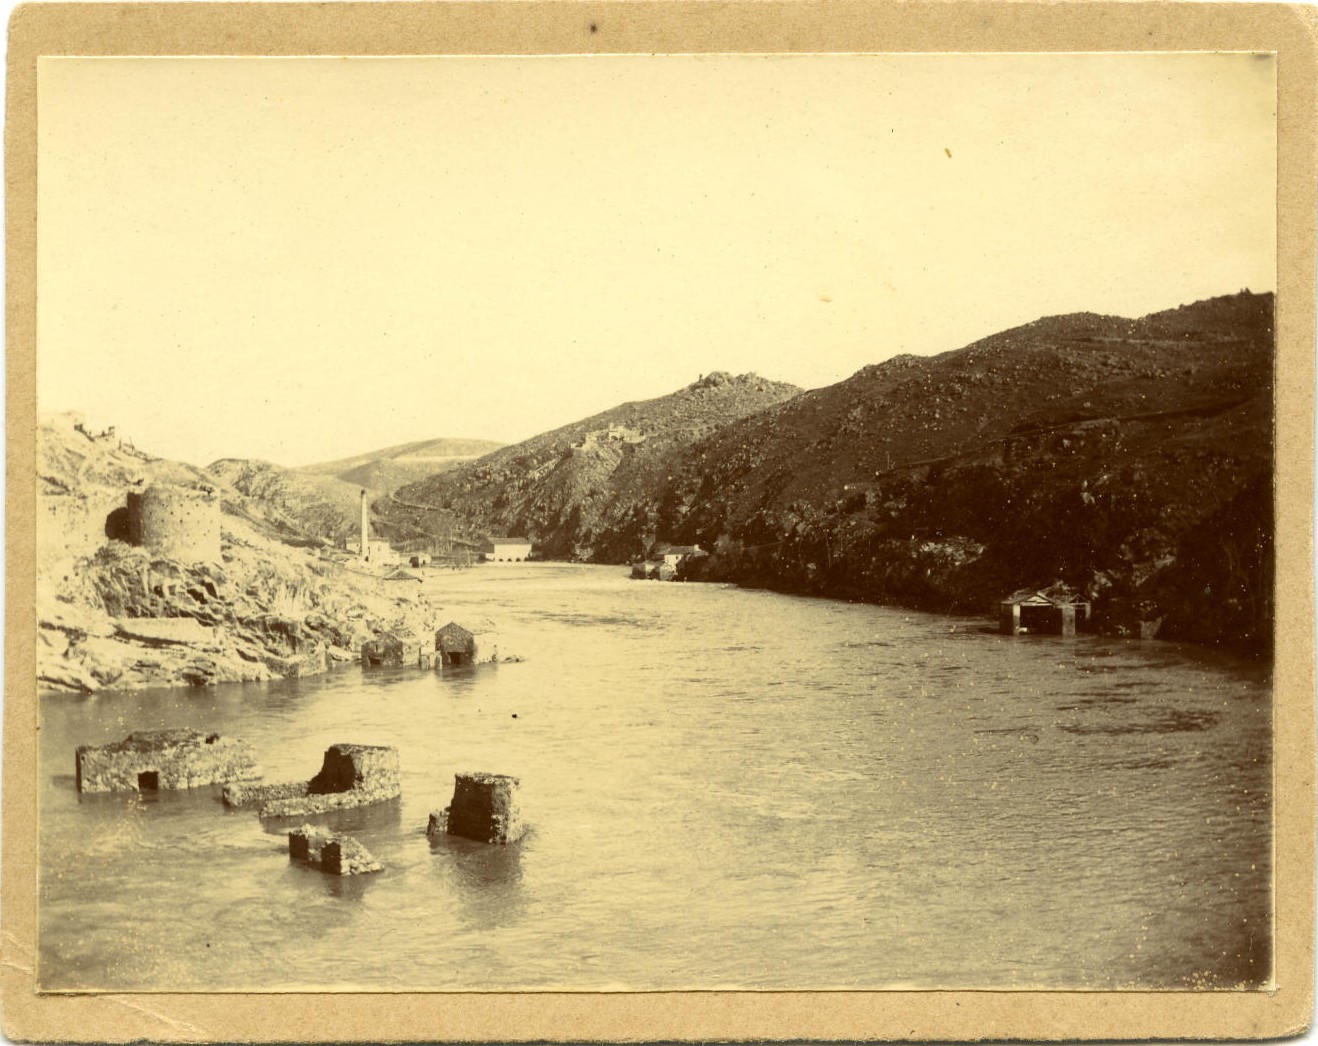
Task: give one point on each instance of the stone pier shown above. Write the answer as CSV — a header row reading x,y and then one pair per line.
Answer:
x,y
330,852
157,760
351,775
484,808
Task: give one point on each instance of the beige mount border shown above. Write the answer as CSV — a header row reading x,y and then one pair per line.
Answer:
x,y
551,27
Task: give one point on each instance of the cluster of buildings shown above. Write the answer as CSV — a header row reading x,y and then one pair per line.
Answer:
x,y
382,553
666,561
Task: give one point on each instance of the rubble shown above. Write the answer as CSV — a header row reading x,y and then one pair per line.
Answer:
x,y
330,852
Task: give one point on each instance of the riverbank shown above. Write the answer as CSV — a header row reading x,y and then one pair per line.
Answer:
x,y
215,593
125,619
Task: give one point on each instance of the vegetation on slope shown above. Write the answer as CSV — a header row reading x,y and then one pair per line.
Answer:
x,y
1129,459
297,505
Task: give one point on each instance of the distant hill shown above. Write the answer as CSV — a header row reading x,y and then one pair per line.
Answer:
x,y
1130,459
294,503
586,491
383,471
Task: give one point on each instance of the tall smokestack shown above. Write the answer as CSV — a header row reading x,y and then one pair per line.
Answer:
x,y
366,528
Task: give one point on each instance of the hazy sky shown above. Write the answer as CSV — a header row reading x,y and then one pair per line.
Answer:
x,y
300,259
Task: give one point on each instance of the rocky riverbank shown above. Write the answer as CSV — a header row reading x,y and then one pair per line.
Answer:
x,y
113,615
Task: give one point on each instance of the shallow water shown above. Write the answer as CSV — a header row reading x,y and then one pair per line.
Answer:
x,y
726,788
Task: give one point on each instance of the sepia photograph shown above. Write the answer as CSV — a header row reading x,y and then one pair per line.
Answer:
x,y
657,523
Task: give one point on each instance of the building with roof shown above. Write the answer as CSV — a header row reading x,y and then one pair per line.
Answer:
x,y
1051,611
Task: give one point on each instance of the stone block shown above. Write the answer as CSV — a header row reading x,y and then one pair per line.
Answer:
x,y
484,808
330,852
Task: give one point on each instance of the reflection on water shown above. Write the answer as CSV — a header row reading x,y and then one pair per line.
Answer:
x,y
725,788
484,881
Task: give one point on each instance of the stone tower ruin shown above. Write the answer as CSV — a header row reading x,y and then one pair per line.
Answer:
x,y
177,522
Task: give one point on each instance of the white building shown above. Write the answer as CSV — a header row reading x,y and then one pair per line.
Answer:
x,y
508,550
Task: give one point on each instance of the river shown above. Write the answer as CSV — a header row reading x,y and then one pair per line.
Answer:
x,y
726,789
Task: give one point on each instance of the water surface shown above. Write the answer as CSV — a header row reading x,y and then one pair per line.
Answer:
x,y
726,788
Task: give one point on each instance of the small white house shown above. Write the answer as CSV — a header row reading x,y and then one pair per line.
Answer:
x,y
675,555
508,550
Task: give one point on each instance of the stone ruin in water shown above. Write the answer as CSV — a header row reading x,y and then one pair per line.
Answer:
x,y
484,808
351,775
330,852
156,760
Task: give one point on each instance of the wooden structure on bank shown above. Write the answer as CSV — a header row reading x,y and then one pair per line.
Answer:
x,y
1042,612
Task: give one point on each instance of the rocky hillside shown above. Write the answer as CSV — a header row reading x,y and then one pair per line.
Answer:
x,y
587,491
384,471
112,615
297,505
1129,459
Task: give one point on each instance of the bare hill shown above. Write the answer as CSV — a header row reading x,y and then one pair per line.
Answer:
x,y
383,471
586,490
294,503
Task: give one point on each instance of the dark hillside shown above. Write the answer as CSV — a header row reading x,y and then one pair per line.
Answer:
x,y
1131,459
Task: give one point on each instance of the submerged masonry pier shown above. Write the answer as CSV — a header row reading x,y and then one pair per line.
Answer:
x,y
351,775
330,852
155,760
484,808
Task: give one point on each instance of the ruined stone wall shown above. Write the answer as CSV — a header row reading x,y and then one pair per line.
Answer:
x,y
70,525
356,766
163,759
351,775
179,523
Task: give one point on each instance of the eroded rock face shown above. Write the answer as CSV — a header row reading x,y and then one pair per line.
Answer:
x,y
330,852
351,775
484,808
163,759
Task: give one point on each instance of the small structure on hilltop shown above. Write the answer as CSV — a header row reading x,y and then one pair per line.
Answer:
x,y
351,775
157,760
330,852
1050,611
507,550
484,808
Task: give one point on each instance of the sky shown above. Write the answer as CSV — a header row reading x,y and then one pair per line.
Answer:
x,y
301,259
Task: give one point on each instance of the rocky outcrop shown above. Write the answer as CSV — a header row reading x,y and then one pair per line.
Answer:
x,y
117,616
163,759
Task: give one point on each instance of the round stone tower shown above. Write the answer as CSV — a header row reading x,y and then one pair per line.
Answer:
x,y
177,522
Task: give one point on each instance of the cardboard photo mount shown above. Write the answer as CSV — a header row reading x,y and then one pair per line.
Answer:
x,y
695,26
